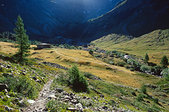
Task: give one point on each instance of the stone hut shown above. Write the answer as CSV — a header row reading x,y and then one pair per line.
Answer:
x,y
43,45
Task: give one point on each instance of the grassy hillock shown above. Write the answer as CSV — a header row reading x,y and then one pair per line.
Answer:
x,y
156,44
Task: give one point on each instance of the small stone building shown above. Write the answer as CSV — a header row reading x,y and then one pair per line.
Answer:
x,y
43,45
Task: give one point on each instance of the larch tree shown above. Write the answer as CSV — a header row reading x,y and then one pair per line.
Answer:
x,y
22,40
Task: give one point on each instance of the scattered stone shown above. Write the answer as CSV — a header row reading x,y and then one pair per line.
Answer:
x,y
60,90
8,109
72,109
39,81
101,95
148,101
105,107
55,65
3,87
34,78
134,94
51,51
74,101
35,53
30,101
79,106
52,96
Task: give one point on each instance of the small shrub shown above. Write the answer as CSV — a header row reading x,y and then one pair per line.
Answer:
x,y
145,69
140,97
153,109
122,64
91,76
21,85
91,52
77,80
155,100
146,59
157,70
62,79
143,89
165,73
56,106
164,62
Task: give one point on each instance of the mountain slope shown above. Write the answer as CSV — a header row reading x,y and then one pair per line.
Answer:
x,y
155,43
131,17
47,19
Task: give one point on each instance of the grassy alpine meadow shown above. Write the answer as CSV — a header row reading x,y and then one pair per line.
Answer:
x,y
154,43
120,86
87,63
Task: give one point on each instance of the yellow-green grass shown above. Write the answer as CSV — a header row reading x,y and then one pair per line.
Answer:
x,y
86,63
156,44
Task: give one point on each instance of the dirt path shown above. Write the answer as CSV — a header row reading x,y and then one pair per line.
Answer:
x,y
40,103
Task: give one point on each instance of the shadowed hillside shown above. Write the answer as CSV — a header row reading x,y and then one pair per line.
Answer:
x,y
52,19
131,17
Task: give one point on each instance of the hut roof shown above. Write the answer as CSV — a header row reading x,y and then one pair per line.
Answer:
x,y
44,44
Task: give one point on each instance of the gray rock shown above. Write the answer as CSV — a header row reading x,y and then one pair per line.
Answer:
x,y
30,101
101,95
8,108
79,106
105,107
72,109
52,96
3,87
74,101
39,81
60,90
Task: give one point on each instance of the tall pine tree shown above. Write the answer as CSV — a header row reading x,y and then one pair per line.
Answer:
x,y
22,41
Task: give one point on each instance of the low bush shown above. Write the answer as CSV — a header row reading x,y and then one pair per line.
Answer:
x,y
77,80
21,85
122,64
91,76
165,73
143,89
140,97
146,69
91,52
56,106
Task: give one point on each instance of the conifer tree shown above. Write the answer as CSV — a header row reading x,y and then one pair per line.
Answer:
x,y
146,59
164,61
22,40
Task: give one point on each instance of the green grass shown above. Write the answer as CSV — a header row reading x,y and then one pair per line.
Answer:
x,y
121,96
20,82
156,44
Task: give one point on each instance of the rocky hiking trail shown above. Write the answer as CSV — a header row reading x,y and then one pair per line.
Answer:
x,y
40,103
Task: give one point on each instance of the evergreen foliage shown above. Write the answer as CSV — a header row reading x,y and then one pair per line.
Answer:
x,y
91,52
146,59
164,62
22,41
77,80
